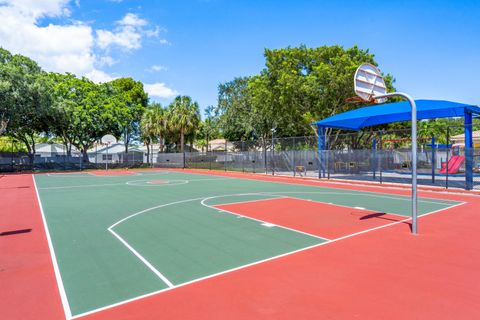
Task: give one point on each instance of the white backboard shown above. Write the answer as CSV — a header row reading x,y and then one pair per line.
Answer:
x,y
108,139
368,82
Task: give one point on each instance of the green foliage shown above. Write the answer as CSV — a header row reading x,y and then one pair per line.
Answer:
x,y
84,111
184,118
302,84
131,102
235,110
25,99
297,86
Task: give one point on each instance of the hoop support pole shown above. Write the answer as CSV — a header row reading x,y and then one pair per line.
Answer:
x,y
414,152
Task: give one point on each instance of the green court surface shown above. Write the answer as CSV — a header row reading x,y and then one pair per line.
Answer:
x,y
119,237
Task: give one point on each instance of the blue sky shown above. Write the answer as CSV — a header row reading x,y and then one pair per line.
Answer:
x,y
188,47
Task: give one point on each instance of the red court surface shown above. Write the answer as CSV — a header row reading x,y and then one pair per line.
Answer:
x,y
28,289
387,273
320,219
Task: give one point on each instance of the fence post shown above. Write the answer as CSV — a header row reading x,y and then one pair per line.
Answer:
x,y
243,156
184,160
226,153
321,151
265,154
327,156
273,152
433,159
448,154
11,157
467,129
374,157
294,151
379,159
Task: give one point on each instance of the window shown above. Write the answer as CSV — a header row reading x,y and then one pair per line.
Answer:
x,y
107,157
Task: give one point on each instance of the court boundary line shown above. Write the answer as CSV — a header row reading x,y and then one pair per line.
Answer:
x,y
145,261
372,195
273,195
259,220
343,206
58,276
317,183
256,263
129,184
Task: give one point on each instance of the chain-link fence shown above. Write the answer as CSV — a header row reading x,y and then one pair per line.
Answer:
x,y
381,156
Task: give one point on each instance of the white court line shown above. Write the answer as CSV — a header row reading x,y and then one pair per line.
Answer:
x,y
58,276
83,186
251,264
326,186
368,194
261,221
339,205
248,201
131,184
145,261
146,183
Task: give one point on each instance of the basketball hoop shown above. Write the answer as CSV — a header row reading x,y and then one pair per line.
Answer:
x,y
369,83
358,100
107,140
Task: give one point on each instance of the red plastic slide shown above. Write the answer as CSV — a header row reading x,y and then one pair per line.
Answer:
x,y
453,164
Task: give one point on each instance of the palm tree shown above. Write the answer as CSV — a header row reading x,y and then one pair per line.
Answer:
x,y
147,129
184,117
160,116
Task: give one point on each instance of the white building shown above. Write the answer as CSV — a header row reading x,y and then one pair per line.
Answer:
x,y
115,153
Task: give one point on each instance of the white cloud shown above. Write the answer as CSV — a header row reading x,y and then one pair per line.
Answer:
x,y
133,20
99,76
56,47
158,68
70,46
106,61
164,41
159,90
35,9
127,35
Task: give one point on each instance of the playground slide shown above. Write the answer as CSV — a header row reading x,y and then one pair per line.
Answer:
x,y
453,164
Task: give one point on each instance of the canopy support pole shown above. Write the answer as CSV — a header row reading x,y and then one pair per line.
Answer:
x,y
468,151
321,152
434,160
374,157
414,151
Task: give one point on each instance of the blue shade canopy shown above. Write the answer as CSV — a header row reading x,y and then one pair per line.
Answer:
x,y
396,112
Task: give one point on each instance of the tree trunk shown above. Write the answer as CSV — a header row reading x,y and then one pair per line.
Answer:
x,y
126,139
182,138
85,155
148,153
30,153
160,144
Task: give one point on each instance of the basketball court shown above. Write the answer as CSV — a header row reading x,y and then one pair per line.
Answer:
x,y
199,244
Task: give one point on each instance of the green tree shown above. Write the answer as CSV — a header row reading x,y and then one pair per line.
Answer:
x,y
184,117
25,99
161,116
147,129
209,128
84,111
302,84
235,110
133,100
